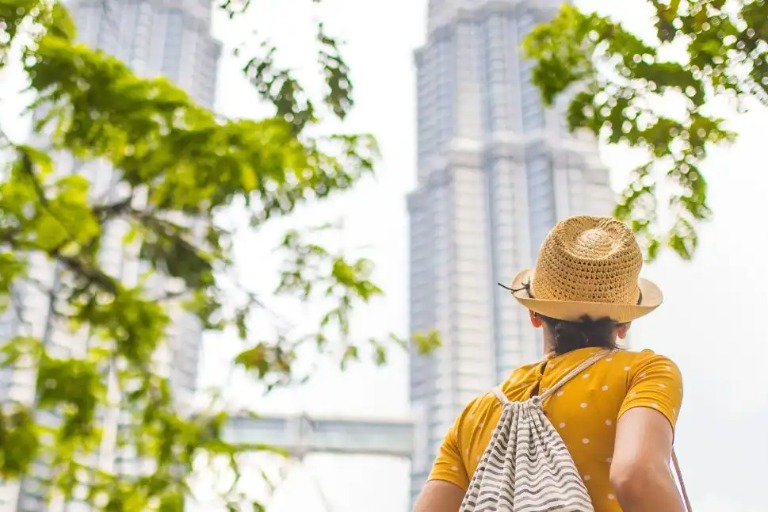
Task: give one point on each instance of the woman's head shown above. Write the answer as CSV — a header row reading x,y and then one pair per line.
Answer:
x,y
561,336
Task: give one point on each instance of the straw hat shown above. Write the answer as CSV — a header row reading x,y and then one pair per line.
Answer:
x,y
588,266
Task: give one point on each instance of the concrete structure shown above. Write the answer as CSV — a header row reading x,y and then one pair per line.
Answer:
x,y
301,435
155,37
495,171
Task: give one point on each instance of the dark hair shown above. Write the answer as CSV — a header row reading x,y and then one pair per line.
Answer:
x,y
586,333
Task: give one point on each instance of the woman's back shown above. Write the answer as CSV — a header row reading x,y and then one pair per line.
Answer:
x,y
616,419
584,412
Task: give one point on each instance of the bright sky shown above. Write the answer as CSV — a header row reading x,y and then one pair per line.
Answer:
x,y
710,323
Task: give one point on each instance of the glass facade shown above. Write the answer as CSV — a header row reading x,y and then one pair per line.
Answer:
x,y
496,171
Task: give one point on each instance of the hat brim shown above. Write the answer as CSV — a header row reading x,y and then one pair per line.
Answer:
x,y
573,311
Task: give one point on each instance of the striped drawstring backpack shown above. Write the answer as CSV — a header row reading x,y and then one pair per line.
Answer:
x,y
526,466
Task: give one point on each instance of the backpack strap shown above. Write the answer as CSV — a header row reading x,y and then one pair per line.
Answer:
x,y
500,395
587,363
573,373
679,473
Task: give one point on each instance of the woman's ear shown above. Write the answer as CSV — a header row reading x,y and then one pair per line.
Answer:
x,y
622,329
536,320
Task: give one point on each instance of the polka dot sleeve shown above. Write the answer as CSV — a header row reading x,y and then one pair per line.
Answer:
x,y
655,382
449,465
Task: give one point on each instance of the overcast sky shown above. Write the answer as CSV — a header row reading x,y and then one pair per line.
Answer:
x,y
711,323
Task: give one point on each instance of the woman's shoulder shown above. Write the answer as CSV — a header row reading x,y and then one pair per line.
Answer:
x,y
637,365
633,357
654,381
642,360
632,365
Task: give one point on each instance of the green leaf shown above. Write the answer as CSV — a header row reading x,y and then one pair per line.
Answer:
x,y
19,441
425,343
62,24
351,353
339,85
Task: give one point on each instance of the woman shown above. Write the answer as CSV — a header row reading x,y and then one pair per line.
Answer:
x,y
617,417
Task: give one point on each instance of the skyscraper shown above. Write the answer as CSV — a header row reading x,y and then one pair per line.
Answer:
x,y
154,37
496,169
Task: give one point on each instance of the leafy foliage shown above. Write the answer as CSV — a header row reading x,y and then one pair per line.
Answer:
x,y
174,167
658,95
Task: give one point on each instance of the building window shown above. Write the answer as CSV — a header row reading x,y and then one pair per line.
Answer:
x,y
541,198
172,44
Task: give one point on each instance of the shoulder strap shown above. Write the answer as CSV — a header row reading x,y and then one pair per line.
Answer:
x,y
573,373
683,491
500,395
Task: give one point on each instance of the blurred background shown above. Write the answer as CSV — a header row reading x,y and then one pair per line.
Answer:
x,y
441,238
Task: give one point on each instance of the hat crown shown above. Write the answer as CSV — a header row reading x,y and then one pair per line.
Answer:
x,y
589,259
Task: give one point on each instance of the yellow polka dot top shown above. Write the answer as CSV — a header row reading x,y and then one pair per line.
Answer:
x,y
584,412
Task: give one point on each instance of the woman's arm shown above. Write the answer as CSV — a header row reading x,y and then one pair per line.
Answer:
x,y
439,496
448,480
640,473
